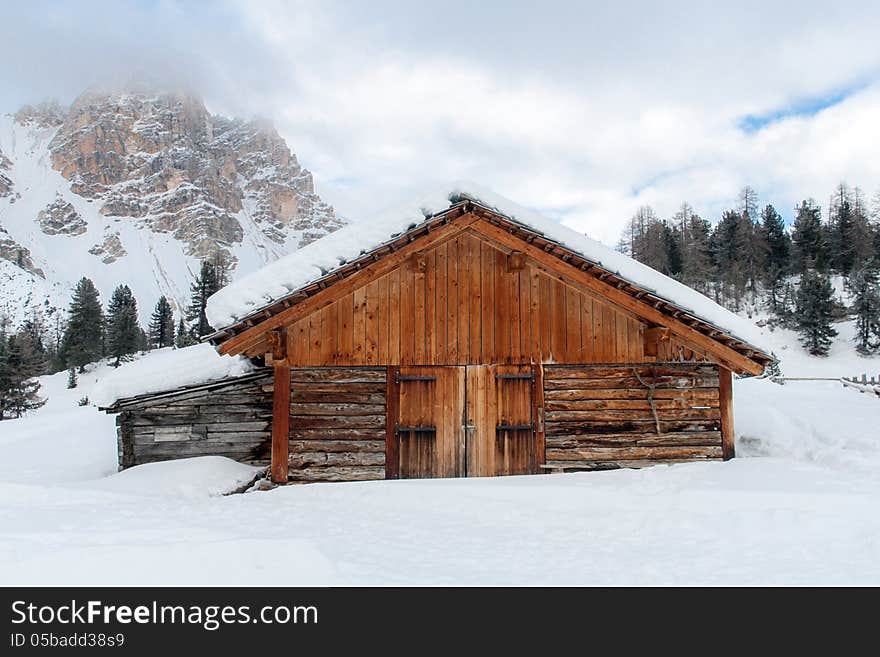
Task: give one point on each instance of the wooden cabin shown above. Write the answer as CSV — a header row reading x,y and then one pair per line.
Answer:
x,y
469,344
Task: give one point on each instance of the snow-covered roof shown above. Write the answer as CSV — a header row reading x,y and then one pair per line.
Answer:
x,y
285,276
168,369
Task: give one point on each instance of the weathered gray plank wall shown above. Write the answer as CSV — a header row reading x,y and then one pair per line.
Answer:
x,y
337,424
231,418
602,417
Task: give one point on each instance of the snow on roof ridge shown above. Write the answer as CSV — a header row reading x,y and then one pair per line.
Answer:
x,y
300,268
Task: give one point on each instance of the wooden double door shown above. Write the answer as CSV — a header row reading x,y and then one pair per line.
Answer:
x,y
465,421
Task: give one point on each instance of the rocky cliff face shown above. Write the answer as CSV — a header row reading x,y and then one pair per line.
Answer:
x,y
5,181
164,161
60,218
137,187
18,255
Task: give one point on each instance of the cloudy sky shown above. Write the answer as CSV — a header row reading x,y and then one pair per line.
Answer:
x,y
584,110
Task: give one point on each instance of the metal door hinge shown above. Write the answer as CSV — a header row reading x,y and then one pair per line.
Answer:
x,y
398,430
398,378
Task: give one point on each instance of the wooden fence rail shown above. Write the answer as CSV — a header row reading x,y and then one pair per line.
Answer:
x,y
859,382
862,383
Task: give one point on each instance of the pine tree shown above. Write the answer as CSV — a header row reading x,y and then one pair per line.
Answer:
x,y
731,242
206,284
777,250
696,258
34,326
53,340
71,378
865,289
19,365
841,230
632,240
162,325
222,264
815,310
83,337
776,263
748,202
672,247
850,231
123,332
754,253
864,231
786,305
184,337
143,340
809,240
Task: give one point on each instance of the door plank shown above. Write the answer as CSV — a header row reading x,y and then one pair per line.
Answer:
x,y
538,414
491,402
434,403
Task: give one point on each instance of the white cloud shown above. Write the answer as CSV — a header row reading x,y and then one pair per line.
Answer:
x,y
583,109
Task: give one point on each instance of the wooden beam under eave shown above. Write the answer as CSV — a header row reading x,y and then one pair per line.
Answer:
x,y
653,337
280,424
553,266
725,394
254,336
419,263
516,261
277,342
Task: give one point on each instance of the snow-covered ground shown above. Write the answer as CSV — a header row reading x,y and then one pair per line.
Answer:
x,y
800,507
842,360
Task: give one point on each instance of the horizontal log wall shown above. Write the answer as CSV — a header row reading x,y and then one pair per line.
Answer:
x,y
595,417
600,417
232,420
337,424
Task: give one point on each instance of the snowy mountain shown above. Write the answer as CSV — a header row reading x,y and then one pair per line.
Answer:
x,y
137,187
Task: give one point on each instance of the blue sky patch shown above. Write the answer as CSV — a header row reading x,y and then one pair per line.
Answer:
x,y
802,107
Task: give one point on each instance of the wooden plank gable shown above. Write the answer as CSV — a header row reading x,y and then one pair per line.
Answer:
x,y
451,296
465,307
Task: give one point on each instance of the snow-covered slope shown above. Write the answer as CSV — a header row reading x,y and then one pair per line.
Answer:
x,y
797,507
136,188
